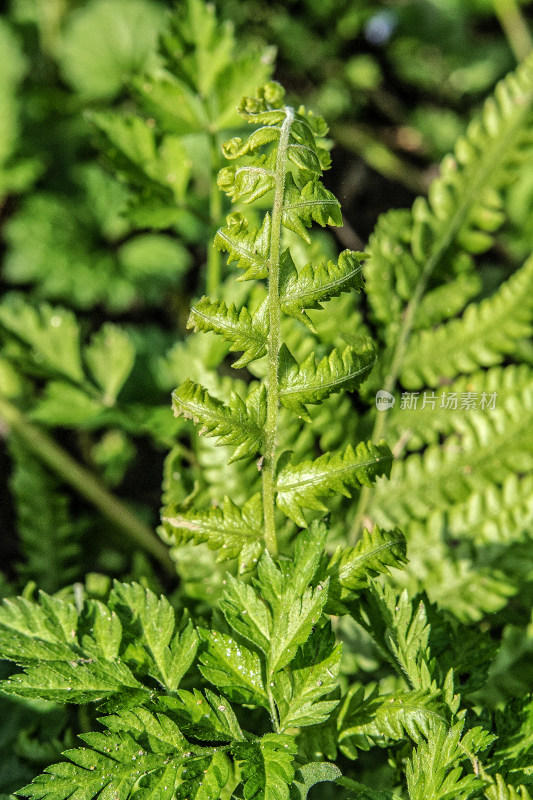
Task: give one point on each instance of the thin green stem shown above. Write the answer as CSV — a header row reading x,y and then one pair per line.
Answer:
x,y
515,27
84,482
214,269
274,340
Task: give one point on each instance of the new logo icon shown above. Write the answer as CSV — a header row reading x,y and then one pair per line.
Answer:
x,y
384,400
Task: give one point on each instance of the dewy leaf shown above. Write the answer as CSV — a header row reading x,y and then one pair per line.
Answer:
x,y
208,718
45,638
302,485
240,424
312,382
110,357
314,285
266,766
312,675
245,332
140,748
232,667
234,531
170,652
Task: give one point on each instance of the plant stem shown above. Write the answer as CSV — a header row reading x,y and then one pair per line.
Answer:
x,y
215,211
84,482
274,339
514,26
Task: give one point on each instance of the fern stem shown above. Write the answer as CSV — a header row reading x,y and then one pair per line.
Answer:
x,y
514,26
84,482
274,339
215,211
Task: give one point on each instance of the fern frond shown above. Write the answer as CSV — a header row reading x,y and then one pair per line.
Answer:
x,y
310,382
463,209
496,514
435,768
482,337
232,530
488,451
50,539
302,485
451,407
240,424
245,332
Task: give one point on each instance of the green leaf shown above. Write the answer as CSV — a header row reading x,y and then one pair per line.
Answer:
x,y
301,485
52,334
234,531
266,766
309,775
313,674
105,42
351,568
232,667
170,651
68,406
312,382
314,285
248,248
482,337
130,143
245,332
208,718
140,749
312,203
240,424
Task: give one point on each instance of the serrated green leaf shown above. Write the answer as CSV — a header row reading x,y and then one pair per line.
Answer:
x,y
248,248
312,203
240,424
232,667
302,485
312,676
314,285
312,382
266,766
234,531
170,651
68,406
351,568
208,717
245,332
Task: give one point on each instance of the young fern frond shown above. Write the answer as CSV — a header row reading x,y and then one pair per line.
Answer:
x,y
283,158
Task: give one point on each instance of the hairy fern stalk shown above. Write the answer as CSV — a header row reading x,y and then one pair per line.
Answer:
x,y
255,701
283,160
